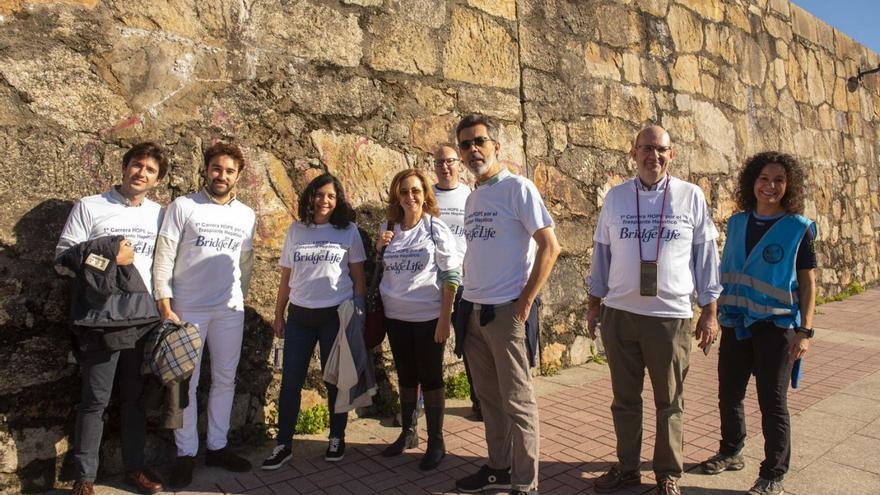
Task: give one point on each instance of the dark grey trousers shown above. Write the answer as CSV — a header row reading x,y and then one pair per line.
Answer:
x,y
99,369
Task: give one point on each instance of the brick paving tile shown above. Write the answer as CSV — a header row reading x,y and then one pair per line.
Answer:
x,y
578,440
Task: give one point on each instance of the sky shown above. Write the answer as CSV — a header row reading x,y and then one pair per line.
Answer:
x,y
859,19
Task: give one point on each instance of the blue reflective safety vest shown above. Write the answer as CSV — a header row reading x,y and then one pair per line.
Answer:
x,y
763,285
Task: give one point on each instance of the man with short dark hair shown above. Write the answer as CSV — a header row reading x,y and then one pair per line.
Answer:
x,y
204,257
106,235
505,218
654,247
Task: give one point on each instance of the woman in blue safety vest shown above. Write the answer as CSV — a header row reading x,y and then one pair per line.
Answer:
x,y
765,311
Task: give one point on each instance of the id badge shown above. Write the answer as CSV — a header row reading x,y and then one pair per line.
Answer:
x,y
648,278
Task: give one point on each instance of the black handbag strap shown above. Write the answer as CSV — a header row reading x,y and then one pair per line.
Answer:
x,y
377,270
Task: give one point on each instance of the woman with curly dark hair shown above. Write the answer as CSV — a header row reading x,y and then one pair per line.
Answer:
x,y
322,266
765,310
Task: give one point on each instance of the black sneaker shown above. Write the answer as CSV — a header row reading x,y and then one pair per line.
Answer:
x,y
280,455
719,463
228,460
336,450
485,479
615,479
182,473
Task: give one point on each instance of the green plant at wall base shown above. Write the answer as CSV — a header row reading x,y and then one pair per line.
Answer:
x,y
457,386
549,370
850,290
594,355
313,420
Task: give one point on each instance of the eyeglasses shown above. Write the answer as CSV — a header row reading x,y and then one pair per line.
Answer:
x,y
479,141
650,148
445,161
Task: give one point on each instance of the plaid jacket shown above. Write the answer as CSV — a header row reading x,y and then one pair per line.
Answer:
x,y
172,352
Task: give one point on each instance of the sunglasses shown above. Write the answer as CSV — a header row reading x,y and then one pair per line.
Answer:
x,y
479,141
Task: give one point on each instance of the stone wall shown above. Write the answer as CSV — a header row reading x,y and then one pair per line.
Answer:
x,y
363,88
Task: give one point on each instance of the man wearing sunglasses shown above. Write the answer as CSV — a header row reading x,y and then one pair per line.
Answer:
x,y
505,221
654,247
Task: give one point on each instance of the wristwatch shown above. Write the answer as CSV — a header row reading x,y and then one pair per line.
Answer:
x,y
808,332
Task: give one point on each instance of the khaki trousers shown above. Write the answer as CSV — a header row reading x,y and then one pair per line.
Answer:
x,y
662,345
499,364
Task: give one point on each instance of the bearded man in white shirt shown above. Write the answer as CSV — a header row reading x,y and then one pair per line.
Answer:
x,y
505,218
204,258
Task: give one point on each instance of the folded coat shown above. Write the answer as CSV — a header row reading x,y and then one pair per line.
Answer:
x,y
350,365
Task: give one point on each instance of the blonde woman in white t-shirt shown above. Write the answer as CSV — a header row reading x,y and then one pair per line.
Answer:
x,y
322,266
421,275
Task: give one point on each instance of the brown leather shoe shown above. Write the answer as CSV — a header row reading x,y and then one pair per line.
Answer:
x,y
83,488
616,479
668,486
143,482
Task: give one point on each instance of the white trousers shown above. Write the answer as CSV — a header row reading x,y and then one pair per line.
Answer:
x,y
221,330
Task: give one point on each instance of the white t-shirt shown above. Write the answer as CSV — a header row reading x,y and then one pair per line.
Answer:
x,y
318,257
686,222
109,214
500,220
451,204
410,289
210,239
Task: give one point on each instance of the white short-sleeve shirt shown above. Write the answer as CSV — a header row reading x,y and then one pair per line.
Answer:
x,y
686,222
210,239
410,289
451,204
500,220
318,257
109,214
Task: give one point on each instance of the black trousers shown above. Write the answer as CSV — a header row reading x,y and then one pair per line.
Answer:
x,y
765,355
418,359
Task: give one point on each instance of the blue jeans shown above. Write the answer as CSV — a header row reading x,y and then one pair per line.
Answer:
x,y
305,328
99,369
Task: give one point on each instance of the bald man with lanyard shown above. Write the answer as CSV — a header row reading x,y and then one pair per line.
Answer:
x,y
654,247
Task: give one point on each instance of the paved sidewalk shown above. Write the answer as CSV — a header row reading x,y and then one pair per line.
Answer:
x,y
835,418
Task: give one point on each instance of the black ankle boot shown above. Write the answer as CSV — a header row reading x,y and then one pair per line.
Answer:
x,y
409,438
436,450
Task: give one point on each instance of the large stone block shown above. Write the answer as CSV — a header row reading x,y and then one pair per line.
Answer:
x,y
721,42
685,74
602,62
307,30
602,132
686,29
618,26
266,187
332,94
402,45
429,132
479,51
633,103
804,24
59,85
712,10
564,196
713,128
498,8
364,167
488,101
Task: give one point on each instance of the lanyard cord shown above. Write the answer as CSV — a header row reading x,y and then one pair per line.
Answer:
x,y
639,220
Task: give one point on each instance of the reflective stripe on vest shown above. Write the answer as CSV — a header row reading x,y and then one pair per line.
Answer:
x,y
780,295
